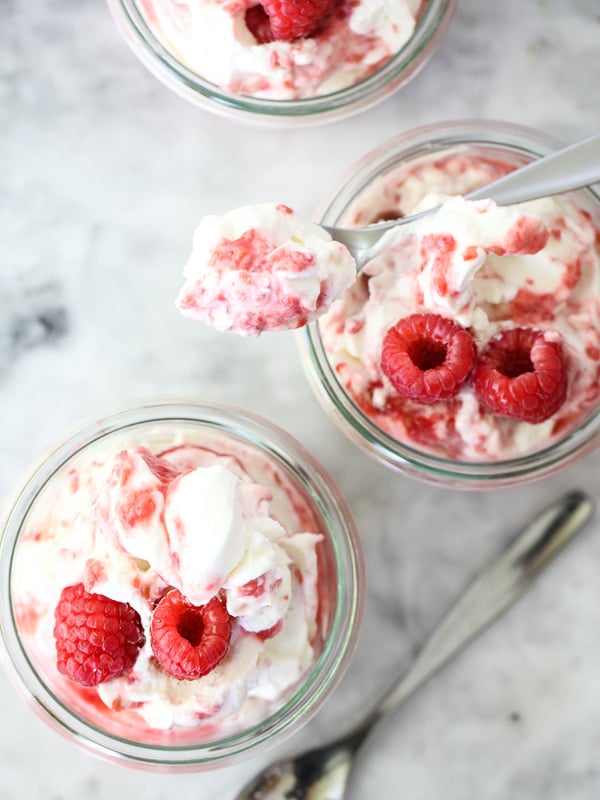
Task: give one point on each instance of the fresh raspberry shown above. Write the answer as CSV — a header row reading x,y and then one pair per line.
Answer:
x,y
189,641
427,358
259,24
96,638
287,20
521,374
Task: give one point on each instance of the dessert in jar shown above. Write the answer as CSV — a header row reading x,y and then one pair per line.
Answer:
x,y
474,332
472,340
173,585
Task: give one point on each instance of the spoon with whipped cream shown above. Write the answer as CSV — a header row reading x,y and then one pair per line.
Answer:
x,y
571,167
323,773
264,268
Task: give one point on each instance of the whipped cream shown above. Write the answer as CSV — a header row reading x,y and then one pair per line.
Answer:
x,y
488,268
262,268
211,38
130,524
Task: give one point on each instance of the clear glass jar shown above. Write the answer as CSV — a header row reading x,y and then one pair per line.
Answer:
x,y
341,579
497,140
431,26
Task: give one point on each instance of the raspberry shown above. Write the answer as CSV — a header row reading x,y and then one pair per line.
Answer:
x,y
96,638
427,358
189,641
259,24
287,20
521,374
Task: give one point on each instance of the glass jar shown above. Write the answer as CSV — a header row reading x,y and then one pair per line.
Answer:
x,y
81,716
430,28
499,141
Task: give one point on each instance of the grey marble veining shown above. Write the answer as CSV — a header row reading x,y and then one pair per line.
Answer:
x,y
103,176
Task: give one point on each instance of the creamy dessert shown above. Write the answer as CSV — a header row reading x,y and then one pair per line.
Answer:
x,y
262,268
169,582
475,333
282,49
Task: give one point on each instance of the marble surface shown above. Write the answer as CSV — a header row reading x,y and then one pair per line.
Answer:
x,y
103,175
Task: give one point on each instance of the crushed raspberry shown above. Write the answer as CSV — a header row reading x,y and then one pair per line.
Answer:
x,y
163,470
96,638
521,374
189,641
530,307
124,466
287,20
527,236
254,588
141,506
93,573
269,633
470,253
245,254
427,358
437,249
289,259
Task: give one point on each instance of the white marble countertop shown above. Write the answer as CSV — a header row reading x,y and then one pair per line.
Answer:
x,y
103,176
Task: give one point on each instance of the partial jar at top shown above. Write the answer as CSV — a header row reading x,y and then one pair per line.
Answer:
x,y
222,55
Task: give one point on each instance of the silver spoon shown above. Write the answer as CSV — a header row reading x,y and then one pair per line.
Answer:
x,y
570,168
322,773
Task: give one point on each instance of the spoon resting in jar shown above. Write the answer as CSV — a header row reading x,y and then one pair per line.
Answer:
x,y
572,167
323,773
264,268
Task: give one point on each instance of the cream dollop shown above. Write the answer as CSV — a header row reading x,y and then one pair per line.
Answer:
x,y
261,268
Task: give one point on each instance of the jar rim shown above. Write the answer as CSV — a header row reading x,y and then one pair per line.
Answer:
x,y
420,142
401,67
313,688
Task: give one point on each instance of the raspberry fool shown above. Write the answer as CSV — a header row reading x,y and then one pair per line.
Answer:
x,y
282,49
170,584
475,333
262,268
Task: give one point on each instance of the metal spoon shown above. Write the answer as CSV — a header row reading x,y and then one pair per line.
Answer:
x,y
569,168
322,773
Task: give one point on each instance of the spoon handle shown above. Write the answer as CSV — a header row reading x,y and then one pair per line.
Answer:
x,y
570,168
493,591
